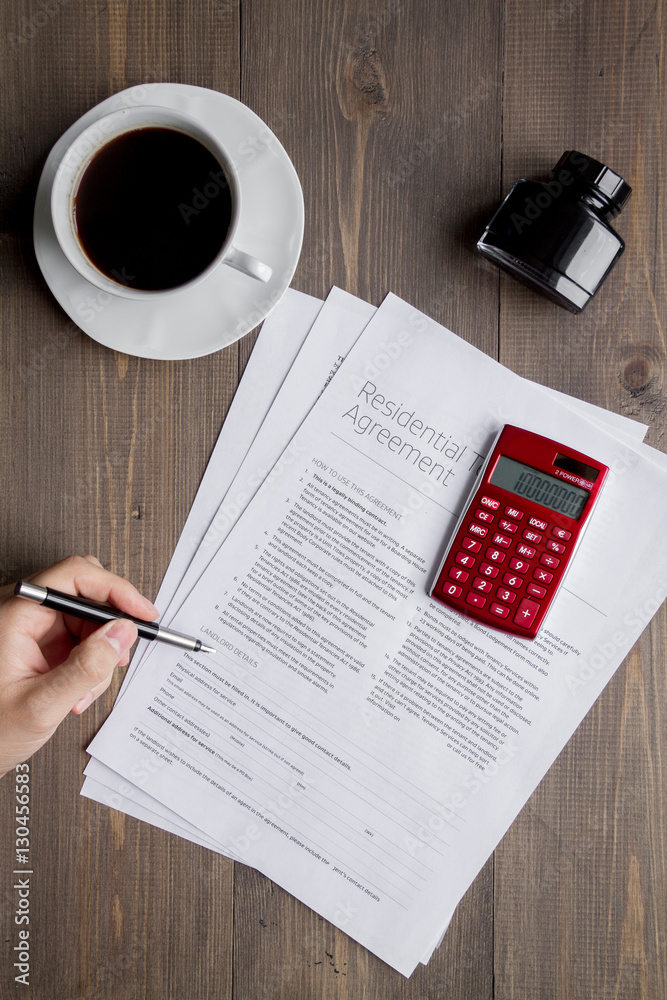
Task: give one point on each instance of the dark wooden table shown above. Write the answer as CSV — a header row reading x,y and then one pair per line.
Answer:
x,y
406,121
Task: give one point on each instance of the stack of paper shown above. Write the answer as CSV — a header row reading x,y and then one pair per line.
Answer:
x,y
357,743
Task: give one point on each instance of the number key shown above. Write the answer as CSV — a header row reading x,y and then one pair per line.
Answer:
x,y
458,574
495,555
463,559
470,545
520,565
505,595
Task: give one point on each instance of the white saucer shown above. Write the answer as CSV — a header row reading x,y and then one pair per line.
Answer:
x,y
227,304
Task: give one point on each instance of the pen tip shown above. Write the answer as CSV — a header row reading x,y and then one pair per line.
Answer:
x,y
207,649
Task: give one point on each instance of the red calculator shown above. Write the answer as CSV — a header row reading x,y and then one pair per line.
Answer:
x,y
518,532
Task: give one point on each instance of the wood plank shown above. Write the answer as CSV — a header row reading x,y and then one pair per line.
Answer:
x,y
103,453
392,113
581,877
394,133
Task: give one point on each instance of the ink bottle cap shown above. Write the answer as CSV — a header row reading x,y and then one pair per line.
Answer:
x,y
554,235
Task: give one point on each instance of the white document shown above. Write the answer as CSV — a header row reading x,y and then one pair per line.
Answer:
x,y
338,326
278,344
361,745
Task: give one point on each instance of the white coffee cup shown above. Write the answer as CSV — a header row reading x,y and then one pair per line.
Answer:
x,y
79,155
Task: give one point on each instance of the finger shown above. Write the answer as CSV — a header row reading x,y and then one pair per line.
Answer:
x,y
89,665
94,560
77,575
92,696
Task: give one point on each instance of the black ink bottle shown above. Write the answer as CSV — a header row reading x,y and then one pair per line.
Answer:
x,y
554,236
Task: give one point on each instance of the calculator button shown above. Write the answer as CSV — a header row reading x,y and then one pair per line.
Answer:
x,y
490,503
478,529
520,565
502,540
470,545
525,613
549,561
535,522
532,536
515,514
561,533
486,569
484,515
525,550
555,547
509,526
476,600
536,591
542,576
513,581
505,595
453,591
458,574
484,586
499,610
495,555
463,559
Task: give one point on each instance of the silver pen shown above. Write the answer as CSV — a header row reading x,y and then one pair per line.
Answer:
x,y
79,607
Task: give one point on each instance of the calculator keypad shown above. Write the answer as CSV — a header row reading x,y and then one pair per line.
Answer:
x,y
511,577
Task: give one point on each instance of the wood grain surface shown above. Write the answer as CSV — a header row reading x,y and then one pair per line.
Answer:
x,y
406,121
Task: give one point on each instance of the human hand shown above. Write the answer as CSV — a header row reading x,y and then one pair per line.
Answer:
x,y
51,664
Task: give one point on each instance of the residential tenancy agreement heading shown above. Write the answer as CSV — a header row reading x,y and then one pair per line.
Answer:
x,y
362,746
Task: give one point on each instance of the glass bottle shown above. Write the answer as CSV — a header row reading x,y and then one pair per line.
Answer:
x,y
554,235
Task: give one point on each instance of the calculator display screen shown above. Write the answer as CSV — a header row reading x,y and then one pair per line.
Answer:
x,y
540,488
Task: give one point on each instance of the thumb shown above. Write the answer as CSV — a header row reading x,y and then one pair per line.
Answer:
x,y
90,664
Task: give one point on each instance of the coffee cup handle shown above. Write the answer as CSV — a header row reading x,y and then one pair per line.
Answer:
x,y
241,261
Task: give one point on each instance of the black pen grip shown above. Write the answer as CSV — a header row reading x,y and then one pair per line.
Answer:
x,y
80,607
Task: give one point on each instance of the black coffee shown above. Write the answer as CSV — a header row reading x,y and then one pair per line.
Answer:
x,y
153,208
